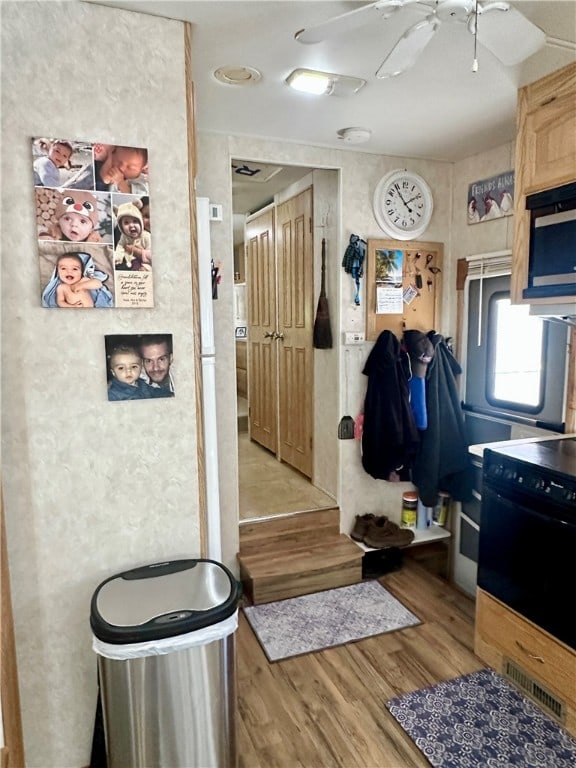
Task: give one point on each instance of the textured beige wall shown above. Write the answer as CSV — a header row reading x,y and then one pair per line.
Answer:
x,y
90,487
487,236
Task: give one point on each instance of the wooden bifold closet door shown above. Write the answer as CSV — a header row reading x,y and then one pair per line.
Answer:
x,y
279,259
263,350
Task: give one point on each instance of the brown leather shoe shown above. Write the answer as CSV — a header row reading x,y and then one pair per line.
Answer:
x,y
361,526
383,533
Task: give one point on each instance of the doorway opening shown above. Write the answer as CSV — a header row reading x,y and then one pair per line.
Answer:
x,y
268,484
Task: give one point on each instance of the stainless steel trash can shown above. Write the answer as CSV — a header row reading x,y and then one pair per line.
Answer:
x,y
164,635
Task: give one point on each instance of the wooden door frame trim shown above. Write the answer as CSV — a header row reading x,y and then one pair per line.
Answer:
x,y
13,752
192,169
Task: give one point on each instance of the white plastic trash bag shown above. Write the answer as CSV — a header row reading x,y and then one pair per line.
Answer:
x,y
167,645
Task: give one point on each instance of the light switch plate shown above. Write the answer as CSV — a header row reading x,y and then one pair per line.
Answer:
x,y
215,212
353,337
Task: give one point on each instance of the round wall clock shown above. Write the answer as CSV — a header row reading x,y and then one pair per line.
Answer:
x,y
403,204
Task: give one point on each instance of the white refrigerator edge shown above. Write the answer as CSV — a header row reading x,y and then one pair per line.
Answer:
x,y
208,370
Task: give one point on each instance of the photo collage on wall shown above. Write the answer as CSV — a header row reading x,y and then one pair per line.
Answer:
x,y
93,224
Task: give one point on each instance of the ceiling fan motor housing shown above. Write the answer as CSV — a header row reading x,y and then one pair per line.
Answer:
x,y
455,10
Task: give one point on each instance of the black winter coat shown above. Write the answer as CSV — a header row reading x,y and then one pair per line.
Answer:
x,y
443,462
390,436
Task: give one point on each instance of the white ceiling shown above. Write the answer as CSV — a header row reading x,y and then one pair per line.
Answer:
x,y
439,109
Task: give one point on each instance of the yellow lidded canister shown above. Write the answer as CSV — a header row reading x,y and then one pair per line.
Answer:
x,y
409,509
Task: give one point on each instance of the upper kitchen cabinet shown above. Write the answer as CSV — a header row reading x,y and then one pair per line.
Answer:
x,y
545,157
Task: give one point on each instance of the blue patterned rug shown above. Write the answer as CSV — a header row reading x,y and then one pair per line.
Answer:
x,y
325,619
482,721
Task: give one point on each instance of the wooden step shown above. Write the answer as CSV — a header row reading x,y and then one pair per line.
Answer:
x,y
297,555
289,530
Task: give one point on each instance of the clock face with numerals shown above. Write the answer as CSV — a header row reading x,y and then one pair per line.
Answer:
x,y
403,204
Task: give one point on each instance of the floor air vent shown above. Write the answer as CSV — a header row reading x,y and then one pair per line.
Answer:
x,y
547,701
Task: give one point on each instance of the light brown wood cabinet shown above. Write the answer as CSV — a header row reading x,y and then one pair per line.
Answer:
x,y
241,369
502,635
545,157
239,263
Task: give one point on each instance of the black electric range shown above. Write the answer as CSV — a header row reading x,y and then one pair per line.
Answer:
x,y
544,469
528,531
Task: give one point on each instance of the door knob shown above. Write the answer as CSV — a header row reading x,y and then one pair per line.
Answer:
x,y
270,335
279,336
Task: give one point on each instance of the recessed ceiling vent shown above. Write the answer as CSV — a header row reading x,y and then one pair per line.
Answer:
x,y
532,688
257,172
232,75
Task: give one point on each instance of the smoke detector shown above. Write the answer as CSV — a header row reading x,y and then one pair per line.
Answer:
x,y
354,135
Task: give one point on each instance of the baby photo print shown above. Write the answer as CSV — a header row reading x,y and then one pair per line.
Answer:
x,y
97,194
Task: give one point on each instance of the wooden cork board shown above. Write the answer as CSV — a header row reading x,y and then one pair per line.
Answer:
x,y
403,286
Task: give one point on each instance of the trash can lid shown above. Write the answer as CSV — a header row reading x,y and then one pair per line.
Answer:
x,y
162,600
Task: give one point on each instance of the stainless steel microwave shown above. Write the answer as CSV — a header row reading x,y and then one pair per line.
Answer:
x,y
552,259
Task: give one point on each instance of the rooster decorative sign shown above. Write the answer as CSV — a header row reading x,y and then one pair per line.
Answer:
x,y
491,198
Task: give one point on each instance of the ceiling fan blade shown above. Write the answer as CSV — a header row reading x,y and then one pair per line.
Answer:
x,y
408,48
508,34
346,22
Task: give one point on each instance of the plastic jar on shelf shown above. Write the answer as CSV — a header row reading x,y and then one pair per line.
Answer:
x,y
409,509
442,508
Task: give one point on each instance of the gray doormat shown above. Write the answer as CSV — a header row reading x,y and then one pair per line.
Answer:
x,y
482,720
309,623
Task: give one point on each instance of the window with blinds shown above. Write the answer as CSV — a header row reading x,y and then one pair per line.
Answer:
x,y
515,364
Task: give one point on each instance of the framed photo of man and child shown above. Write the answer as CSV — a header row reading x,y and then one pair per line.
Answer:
x,y
93,224
139,366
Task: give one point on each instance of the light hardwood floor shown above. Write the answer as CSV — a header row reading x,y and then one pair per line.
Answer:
x,y
326,709
268,487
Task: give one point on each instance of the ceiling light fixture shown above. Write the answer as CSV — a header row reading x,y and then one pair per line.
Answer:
x,y
324,83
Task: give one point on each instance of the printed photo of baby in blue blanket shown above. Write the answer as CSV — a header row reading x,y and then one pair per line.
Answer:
x,y
75,277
